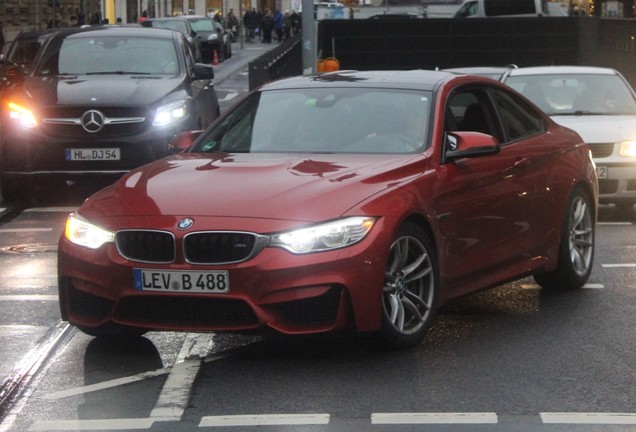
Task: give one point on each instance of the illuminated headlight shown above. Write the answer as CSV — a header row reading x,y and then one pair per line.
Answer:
x,y
171,113
628,149
332,235
213,37
22,115
81,232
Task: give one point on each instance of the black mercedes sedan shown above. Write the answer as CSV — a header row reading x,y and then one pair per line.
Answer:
x,y
100,102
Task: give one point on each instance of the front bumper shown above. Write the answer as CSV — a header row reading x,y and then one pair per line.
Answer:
x,y
332,291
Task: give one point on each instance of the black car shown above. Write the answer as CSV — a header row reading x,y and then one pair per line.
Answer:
x,y
212,37
181,25
101,102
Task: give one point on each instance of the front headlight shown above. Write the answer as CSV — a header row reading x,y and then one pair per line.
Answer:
x,y
328,236
628,149
171,113
22,115
83,233
213,37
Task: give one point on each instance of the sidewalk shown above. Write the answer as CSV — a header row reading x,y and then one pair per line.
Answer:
x,y
241,57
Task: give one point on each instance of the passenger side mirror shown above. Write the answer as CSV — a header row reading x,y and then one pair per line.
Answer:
x,y
203,71
470,144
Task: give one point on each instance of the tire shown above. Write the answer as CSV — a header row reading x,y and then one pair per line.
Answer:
x,y
13,190
411,286
576,250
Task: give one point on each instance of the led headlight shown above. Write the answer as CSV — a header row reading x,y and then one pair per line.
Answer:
x,y
628,149
170,113
22,115
81,232
328,236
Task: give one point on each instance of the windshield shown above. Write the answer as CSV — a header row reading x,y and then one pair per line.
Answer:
x,y
113,55
204,25
176,25
568,94
340,120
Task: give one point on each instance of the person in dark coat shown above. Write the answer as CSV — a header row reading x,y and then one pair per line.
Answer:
x,y
267,25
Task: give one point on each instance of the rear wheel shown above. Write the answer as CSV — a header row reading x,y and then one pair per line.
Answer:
x,y
411,288
576,251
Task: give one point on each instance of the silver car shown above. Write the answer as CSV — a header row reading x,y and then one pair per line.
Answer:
x,y
600,105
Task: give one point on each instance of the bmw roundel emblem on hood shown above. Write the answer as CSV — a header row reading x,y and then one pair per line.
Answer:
x,y
185,223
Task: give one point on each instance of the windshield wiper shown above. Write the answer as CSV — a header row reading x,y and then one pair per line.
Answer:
x,y
118,73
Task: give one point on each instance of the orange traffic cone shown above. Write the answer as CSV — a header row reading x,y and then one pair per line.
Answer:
x,y
215,59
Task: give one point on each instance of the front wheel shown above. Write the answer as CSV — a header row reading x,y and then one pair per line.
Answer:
x,y
576,250
411,287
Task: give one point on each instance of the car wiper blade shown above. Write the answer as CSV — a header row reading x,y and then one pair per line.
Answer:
x,y
118,73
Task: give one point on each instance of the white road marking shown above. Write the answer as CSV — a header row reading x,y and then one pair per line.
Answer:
x,y
614,223
228,97
264,419
105,384
589,418
25,230
93,425
433,418
28,297
586,286
626,265
176,391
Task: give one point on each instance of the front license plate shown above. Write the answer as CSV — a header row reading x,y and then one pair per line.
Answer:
x,y
183,281
601,172
101,154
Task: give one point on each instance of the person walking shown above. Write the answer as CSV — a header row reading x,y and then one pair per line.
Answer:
x,y
267,26
278,26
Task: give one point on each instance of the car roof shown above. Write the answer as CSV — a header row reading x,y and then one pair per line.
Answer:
x,y
412,79
174,18
125,31
547,70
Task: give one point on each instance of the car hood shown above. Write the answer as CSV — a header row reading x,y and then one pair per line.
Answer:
x,y
102,90
290,187
601,128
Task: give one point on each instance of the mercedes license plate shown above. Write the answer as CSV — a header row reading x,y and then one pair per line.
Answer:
x,y
184,281
85,154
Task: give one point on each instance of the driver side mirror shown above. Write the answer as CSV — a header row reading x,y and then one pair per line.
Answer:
x,y
470,144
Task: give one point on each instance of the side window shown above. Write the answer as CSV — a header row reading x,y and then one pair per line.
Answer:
x,y
468,9
519,119
470,111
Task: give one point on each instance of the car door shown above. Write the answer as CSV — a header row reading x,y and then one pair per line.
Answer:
x,y
486,211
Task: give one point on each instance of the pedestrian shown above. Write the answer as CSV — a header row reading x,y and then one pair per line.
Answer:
x,y
278,26
267,26
144,17
295,20
232,24
287,25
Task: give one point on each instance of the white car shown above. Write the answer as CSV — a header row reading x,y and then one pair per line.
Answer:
x,y
600,105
